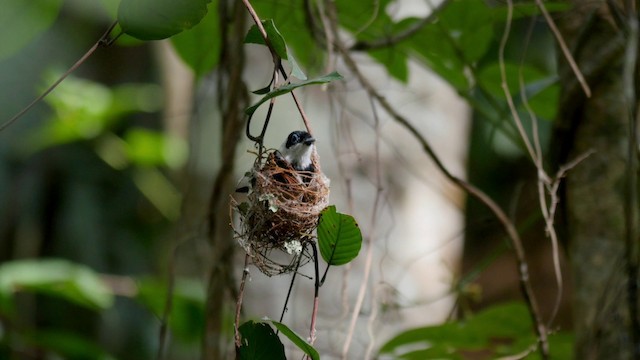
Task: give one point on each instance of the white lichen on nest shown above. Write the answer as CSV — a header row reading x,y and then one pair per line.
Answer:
x,y
280,213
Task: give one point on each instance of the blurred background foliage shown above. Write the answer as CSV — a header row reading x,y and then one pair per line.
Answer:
x,y
90,179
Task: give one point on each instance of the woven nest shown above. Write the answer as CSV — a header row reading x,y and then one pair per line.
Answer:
x,y
281,213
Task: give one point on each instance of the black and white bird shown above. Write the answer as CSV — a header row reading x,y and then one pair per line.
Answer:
x,y
296,151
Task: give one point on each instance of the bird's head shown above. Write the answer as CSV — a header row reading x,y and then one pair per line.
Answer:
x,y
297,150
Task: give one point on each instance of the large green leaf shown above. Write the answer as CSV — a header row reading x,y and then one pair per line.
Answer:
x,y
290,16
199,47
297,340
497,331
23,20
273,34
259,342
339,237
76,283
290,87
459,38
159,19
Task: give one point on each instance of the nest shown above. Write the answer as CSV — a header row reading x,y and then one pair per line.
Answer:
x,y
281,213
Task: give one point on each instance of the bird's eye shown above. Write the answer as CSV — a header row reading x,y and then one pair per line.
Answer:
x,y
295,138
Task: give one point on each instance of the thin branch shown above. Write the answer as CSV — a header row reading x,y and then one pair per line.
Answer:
x,y
277,61
395,39
103,41
565,50
245,273
508,226
368,240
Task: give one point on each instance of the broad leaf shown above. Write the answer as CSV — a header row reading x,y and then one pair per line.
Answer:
x,y
294,26
339,237
498,331
297,340
199,47
259,342
275,38
159,19
23,20
290,87
76,283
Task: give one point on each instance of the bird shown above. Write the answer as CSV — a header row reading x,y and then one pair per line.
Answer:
x,y
295,152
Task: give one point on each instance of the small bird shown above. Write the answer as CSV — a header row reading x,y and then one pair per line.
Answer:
x,y
296,151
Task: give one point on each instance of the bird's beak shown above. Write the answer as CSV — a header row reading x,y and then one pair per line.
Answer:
x,y
309,141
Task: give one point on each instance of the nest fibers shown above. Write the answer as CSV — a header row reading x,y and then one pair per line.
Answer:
x,y
281,213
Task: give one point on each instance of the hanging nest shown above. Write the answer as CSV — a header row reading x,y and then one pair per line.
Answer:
x,y
280,213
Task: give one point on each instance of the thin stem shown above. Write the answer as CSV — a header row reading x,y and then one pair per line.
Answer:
x,y
565,50
245,273
508,226
103,41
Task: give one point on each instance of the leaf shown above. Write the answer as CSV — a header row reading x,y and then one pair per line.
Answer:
x,y
259,342
275,38
153,148
497,331
22,21
75,283
159,19
339,237
296,71
199,47
290,87
460,37
297,340
292,24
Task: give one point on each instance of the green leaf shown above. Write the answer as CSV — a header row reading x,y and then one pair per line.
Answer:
x,y
394,60
293,25
297,340
296,71
159,19
275,38
339,237
23,20
290,87
199,47
153,148
76,283
497,331
259,342
459,38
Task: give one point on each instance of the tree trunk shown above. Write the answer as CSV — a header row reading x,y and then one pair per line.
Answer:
x,y
595,191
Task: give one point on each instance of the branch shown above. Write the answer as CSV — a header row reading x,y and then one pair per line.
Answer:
x,y
362,45
508,226
565,50
277,61
103,41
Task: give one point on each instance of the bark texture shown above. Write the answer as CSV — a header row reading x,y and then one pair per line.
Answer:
x,y
595,190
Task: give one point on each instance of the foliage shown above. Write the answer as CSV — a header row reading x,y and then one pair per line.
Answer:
x,y
458,45
339,237
499,331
